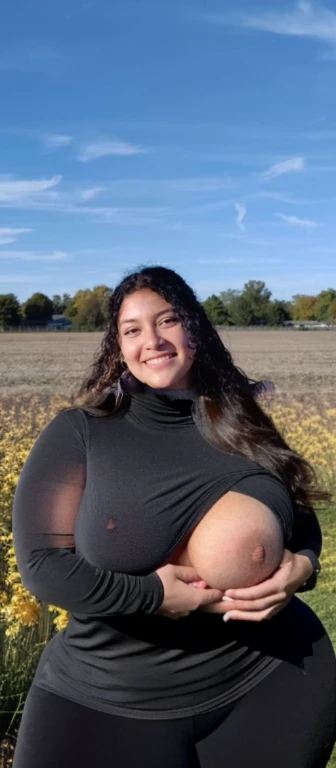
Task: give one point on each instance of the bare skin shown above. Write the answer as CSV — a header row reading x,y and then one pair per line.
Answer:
x,y
154,330
238,543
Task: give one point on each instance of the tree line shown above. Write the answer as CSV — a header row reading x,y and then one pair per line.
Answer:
x,y
88,308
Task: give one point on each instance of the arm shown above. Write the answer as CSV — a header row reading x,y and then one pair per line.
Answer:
x,y
46,503
306,542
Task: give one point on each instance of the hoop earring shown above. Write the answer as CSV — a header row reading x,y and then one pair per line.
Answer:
x,y
123,363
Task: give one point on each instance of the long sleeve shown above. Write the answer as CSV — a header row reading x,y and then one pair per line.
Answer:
x,y
46,504
306,540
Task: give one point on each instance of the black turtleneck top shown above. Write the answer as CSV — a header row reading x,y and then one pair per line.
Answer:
x,y
100,504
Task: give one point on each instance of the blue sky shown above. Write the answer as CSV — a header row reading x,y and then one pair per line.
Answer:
x,y
197,135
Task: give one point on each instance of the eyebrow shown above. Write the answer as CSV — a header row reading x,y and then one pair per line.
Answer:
x,y
158,314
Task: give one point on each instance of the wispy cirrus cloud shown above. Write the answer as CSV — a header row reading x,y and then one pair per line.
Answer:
x,y
33,256
54,141
241,213
296,222
305,19
108,148
90,194
286,166
12,190
9,234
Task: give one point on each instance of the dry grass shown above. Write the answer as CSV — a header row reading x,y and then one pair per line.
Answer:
x,y
48,363
40,366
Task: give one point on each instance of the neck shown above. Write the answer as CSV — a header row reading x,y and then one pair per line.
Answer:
x,y
159,407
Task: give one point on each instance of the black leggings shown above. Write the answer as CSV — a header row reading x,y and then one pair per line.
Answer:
x,y
287,721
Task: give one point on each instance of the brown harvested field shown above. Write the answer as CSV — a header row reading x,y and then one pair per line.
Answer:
x,y
299,362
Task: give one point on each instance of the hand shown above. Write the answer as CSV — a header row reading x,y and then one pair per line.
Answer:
x,y
184,591
269,597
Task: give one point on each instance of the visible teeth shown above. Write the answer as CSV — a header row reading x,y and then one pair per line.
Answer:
x,y
158,360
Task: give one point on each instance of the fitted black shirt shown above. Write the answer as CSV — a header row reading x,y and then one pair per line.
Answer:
x,y
100,505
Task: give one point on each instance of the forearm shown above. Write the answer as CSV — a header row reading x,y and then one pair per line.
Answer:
x,y
306,542
64,578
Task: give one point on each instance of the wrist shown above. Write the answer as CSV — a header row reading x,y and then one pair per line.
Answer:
x,y
311,567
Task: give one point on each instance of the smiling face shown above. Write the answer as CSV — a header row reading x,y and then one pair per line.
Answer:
x,y
154,342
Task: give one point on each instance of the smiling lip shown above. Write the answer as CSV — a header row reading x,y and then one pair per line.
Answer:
x,y
156,362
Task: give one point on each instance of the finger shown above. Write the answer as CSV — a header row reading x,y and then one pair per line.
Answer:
x,y
206,596
265,589
249,616
255,605
240,607
256,615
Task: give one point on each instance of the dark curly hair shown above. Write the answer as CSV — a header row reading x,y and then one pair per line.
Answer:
x,y
226,412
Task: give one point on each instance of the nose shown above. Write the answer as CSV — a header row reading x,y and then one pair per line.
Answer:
x,y
153,339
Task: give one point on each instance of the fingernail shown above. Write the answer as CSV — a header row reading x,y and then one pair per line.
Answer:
x,y
227,617
228,598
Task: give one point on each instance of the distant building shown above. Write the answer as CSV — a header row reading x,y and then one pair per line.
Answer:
x,y
305,324
58,323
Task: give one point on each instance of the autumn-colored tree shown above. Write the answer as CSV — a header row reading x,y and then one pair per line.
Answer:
x,y
88,309
304,307
324,301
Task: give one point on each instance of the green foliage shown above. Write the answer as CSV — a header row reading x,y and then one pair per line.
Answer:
x,y
88,310
277,312
325,308
304,307
60,303
38,309
10,313
217,313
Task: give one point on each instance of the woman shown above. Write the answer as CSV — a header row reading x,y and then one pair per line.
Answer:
x,y
165,437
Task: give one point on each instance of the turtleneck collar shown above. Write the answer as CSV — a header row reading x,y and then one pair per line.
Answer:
x,y
158,408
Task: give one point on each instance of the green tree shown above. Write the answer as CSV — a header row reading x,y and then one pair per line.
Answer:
x,y
88,310
217,313
323,302
304,307
277,312
257,298
38,309
60,303
103,293
332,311
249,306
10,313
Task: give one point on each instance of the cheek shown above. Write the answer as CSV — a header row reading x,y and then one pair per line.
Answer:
x,y
131,350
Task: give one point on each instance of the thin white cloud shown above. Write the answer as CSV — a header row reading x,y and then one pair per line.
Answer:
x,y
33,256
90,194
241,211
286,166
12,190
304,20
106,149
9,235
10,231
296,222
53,141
